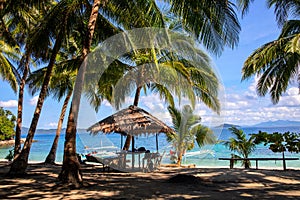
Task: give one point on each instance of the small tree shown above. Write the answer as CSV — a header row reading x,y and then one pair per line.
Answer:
x,y
279,142
188,130
241,145
7,124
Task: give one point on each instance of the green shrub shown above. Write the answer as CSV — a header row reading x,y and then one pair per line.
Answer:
x,y
10,155
7,124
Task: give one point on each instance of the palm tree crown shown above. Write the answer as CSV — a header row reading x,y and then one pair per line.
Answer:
x,y
188,130
240,144
277,63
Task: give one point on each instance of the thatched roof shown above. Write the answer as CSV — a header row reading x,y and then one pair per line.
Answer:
x,y
132,120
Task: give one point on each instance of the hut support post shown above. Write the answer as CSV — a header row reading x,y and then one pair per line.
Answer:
x,y
121,141
132,151
156,142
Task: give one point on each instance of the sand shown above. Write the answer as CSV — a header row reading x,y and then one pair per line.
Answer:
x,y
166,183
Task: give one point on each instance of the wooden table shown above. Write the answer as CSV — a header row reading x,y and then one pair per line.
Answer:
x,y
123,155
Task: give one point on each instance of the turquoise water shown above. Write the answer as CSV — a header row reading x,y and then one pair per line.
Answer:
x,y
206,156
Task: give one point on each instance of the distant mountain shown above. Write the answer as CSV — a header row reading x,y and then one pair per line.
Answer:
x,y
278,123
49,131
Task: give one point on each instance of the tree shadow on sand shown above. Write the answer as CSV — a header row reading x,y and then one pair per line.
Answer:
x,y
41,182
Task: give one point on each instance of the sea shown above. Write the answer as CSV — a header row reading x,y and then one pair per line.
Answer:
x,y
206,156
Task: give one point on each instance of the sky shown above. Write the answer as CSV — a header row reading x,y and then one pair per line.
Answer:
x,y
240,103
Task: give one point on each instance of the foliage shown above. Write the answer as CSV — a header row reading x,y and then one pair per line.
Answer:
x,y
188,130
279,142
241,145
7,124
10,155
276,63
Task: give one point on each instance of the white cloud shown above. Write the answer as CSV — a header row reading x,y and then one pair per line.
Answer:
x,y
52,124
9,104
106,103
293,91
242,110
33,101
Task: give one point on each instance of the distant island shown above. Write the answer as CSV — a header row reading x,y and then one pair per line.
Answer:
x,y
278,123
267,124
227,126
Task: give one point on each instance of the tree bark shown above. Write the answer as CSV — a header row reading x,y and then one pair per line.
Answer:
x,y
50,159
17,148
283,161
179,158
71,172
20,163
135,103
247,164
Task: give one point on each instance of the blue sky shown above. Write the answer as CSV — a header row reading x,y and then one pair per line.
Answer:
x,y
241,105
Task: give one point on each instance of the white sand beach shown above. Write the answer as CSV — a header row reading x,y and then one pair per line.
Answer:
x,y
166,183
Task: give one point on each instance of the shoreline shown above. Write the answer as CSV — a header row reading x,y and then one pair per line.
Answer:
x,y
7,143
184,166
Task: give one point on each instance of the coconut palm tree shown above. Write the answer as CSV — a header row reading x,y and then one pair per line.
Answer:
x,y
226,16
214,23
17,19
20,163
61,85
70,169
241,145
173,75
188,131
277,63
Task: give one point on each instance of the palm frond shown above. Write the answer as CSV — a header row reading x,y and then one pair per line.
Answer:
x,y
284,9
214,23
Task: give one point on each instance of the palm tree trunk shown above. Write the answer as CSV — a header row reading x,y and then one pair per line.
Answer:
x,y
17,148
135,103
247,164
283,161
71,172
50,159
179,158
19,165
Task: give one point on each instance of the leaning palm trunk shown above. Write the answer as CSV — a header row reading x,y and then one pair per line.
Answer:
x,y
71,172
50,159
20,163
135,103
17,148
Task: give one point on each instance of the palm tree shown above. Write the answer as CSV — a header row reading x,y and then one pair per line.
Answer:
x,y
174,74
240,144
17,19
188,130
122,16
70,172
61,85
214,23
277,63
20,163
